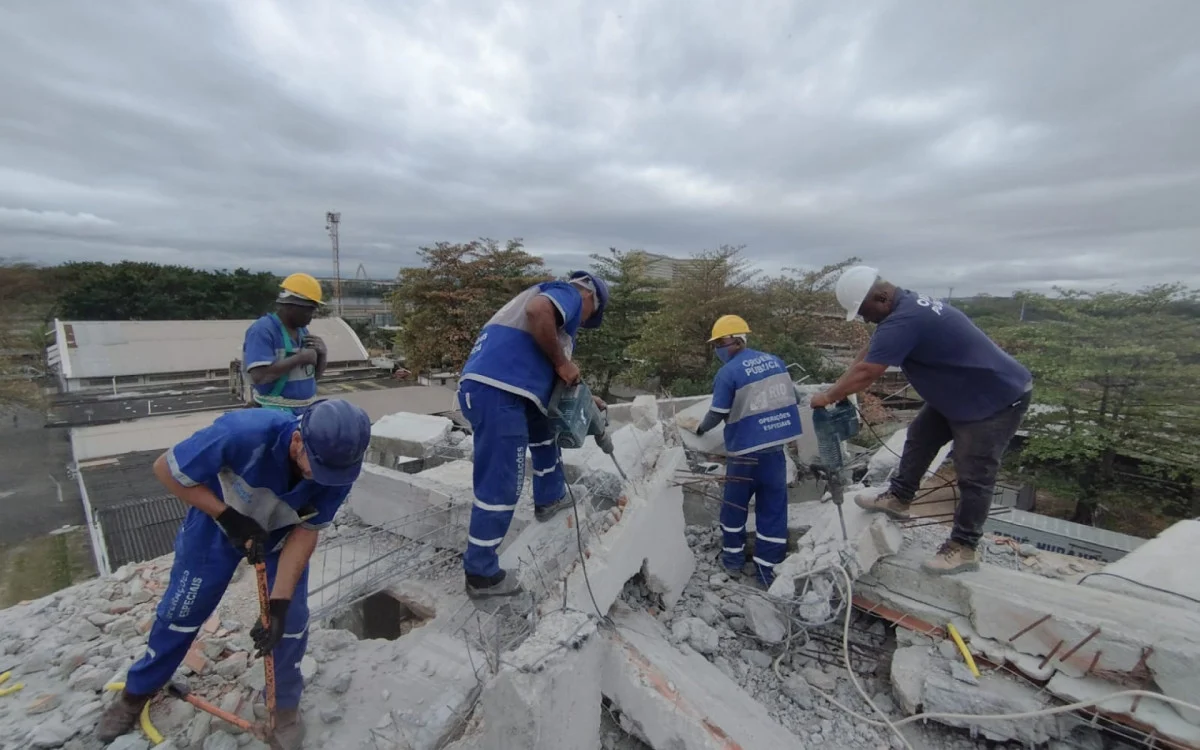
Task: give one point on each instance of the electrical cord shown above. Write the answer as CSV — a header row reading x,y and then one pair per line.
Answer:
x,y
579,541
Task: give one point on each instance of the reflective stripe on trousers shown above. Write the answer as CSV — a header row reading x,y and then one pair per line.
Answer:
x,y
764,480
505,426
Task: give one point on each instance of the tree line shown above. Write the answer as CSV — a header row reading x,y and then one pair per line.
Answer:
x,y
655,331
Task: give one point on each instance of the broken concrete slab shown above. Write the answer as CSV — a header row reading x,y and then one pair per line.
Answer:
x,y
647,536
622,413
909,666
677,700
541,554
547,695
410,506
992,694
1149,712
871,538
407,434
1156,563
635,450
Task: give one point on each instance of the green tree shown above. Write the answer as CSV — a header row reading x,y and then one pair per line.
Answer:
x,y
602,355
149,291
672,347
443,304
24,302
1117,393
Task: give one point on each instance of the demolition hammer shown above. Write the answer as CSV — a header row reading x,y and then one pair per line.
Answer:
x,y
574,415
833,425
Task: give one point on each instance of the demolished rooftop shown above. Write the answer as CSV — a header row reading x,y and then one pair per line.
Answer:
x,y
631,635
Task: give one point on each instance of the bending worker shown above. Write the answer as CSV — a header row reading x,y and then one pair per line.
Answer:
x,y
755,397
282,359
975,394
504,391
257,479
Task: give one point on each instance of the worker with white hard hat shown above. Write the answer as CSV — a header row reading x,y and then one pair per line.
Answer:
x,y
975,395
279,355
755,397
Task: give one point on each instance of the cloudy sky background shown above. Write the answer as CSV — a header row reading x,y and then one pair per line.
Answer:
x,y
984,146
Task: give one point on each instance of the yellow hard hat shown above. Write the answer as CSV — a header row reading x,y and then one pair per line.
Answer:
x,y
303,286
728,325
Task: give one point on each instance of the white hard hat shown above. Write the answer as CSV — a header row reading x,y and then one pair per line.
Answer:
x,y
853,286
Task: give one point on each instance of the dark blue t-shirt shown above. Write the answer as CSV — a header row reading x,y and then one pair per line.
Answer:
x,y
955,367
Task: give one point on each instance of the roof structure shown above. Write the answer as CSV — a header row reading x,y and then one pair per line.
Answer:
x,y
104,349
150,434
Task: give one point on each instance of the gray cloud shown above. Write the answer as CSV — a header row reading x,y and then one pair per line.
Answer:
x,y
986,147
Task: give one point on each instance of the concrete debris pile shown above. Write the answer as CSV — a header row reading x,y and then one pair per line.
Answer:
x,y
632,634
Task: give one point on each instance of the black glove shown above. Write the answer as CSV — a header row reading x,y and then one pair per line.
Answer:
x,y
266,639
243,531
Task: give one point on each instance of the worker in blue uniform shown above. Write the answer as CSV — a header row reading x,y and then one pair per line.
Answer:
x,y
755,397
282,359
256,479
504,390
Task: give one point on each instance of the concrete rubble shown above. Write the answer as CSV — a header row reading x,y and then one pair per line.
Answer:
x,y
632,634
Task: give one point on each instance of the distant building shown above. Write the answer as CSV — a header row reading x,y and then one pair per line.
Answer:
x,y
664,267
115,356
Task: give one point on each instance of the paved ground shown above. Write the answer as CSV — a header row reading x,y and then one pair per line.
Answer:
x,y
36,493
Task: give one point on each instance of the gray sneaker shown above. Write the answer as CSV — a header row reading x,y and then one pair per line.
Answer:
x,y
886,503
501,584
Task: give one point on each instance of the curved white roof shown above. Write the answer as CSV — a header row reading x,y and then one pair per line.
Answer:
x,y
105,349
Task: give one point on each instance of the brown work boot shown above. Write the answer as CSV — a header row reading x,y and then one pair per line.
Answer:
x,y
952,557
120,717
289,730
887,503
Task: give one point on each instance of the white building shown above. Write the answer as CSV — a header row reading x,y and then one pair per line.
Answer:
x,y
117,356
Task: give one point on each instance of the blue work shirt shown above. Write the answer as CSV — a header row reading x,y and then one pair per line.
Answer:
x,y
955,367
506,355
758,397
244,459
265,344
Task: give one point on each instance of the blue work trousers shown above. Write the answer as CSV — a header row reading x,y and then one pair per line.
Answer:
x,y
763,478
505,425
205,561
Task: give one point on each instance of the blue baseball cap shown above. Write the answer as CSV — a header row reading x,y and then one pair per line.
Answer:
x,y
597,284
335,434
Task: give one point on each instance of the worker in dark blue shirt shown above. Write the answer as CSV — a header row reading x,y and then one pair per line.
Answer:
x,y
280,357
261,478
975,395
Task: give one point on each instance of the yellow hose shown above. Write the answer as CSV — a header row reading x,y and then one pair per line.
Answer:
x,y
151,731
958,641
11,690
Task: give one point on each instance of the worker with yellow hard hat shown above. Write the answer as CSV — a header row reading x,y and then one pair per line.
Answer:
x,y
280,357
755,397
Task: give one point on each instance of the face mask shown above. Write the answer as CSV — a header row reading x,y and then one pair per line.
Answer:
x,y
723,353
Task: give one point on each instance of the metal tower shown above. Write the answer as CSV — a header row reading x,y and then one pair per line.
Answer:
x,y
332,218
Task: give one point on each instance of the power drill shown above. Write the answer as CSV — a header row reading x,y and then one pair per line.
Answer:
x,y
574,415
833,425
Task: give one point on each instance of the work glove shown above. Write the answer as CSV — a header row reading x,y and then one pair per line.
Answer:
x,y
267,638
243,531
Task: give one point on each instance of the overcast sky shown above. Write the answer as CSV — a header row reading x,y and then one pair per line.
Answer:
x,y
981,145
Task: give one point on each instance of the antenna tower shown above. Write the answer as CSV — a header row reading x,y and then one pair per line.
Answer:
x,y
332,218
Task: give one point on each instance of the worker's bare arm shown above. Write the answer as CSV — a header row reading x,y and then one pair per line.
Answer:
x,y
855,380
543,326
199,496
293,558
272,372
862,355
